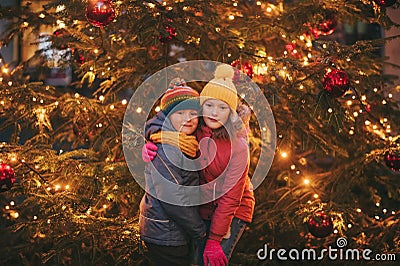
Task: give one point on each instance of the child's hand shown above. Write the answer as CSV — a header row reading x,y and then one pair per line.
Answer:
x,y
244,113
213,254
149,152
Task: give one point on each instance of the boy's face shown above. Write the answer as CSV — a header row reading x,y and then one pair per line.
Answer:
x,y
185,121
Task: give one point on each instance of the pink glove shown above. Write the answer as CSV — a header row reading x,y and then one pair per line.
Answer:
x,y
149,152
213,254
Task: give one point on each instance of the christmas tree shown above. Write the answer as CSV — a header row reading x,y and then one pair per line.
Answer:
x,y
69,69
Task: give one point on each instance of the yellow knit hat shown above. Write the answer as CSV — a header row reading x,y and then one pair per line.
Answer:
x,y
221,87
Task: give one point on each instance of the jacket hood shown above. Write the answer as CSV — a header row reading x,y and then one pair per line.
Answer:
x,y
157,123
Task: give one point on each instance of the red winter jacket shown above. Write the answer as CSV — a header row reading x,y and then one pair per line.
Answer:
x,y
230,165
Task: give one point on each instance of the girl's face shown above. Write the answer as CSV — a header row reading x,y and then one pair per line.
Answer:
x,y
185,121
215,113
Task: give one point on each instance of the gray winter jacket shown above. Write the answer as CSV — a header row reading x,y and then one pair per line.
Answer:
x,y
163,223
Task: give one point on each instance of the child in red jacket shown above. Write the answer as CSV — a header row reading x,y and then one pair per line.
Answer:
x,y
232,202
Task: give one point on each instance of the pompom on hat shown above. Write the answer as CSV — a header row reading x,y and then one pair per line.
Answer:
x,y
179,96
221,87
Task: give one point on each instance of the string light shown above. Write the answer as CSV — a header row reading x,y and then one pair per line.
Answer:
x,y
14,214
284,154
60,8
157,109
306,181
124,102
358,210
13,158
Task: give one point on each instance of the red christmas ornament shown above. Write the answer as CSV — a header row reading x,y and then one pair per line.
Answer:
x,y
385,3
246,68
392,161
336,82
291,48
320,224
7,177
167,35
326,27
100,13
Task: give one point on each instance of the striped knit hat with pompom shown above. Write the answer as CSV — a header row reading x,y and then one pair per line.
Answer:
x,y
179,96
221,87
